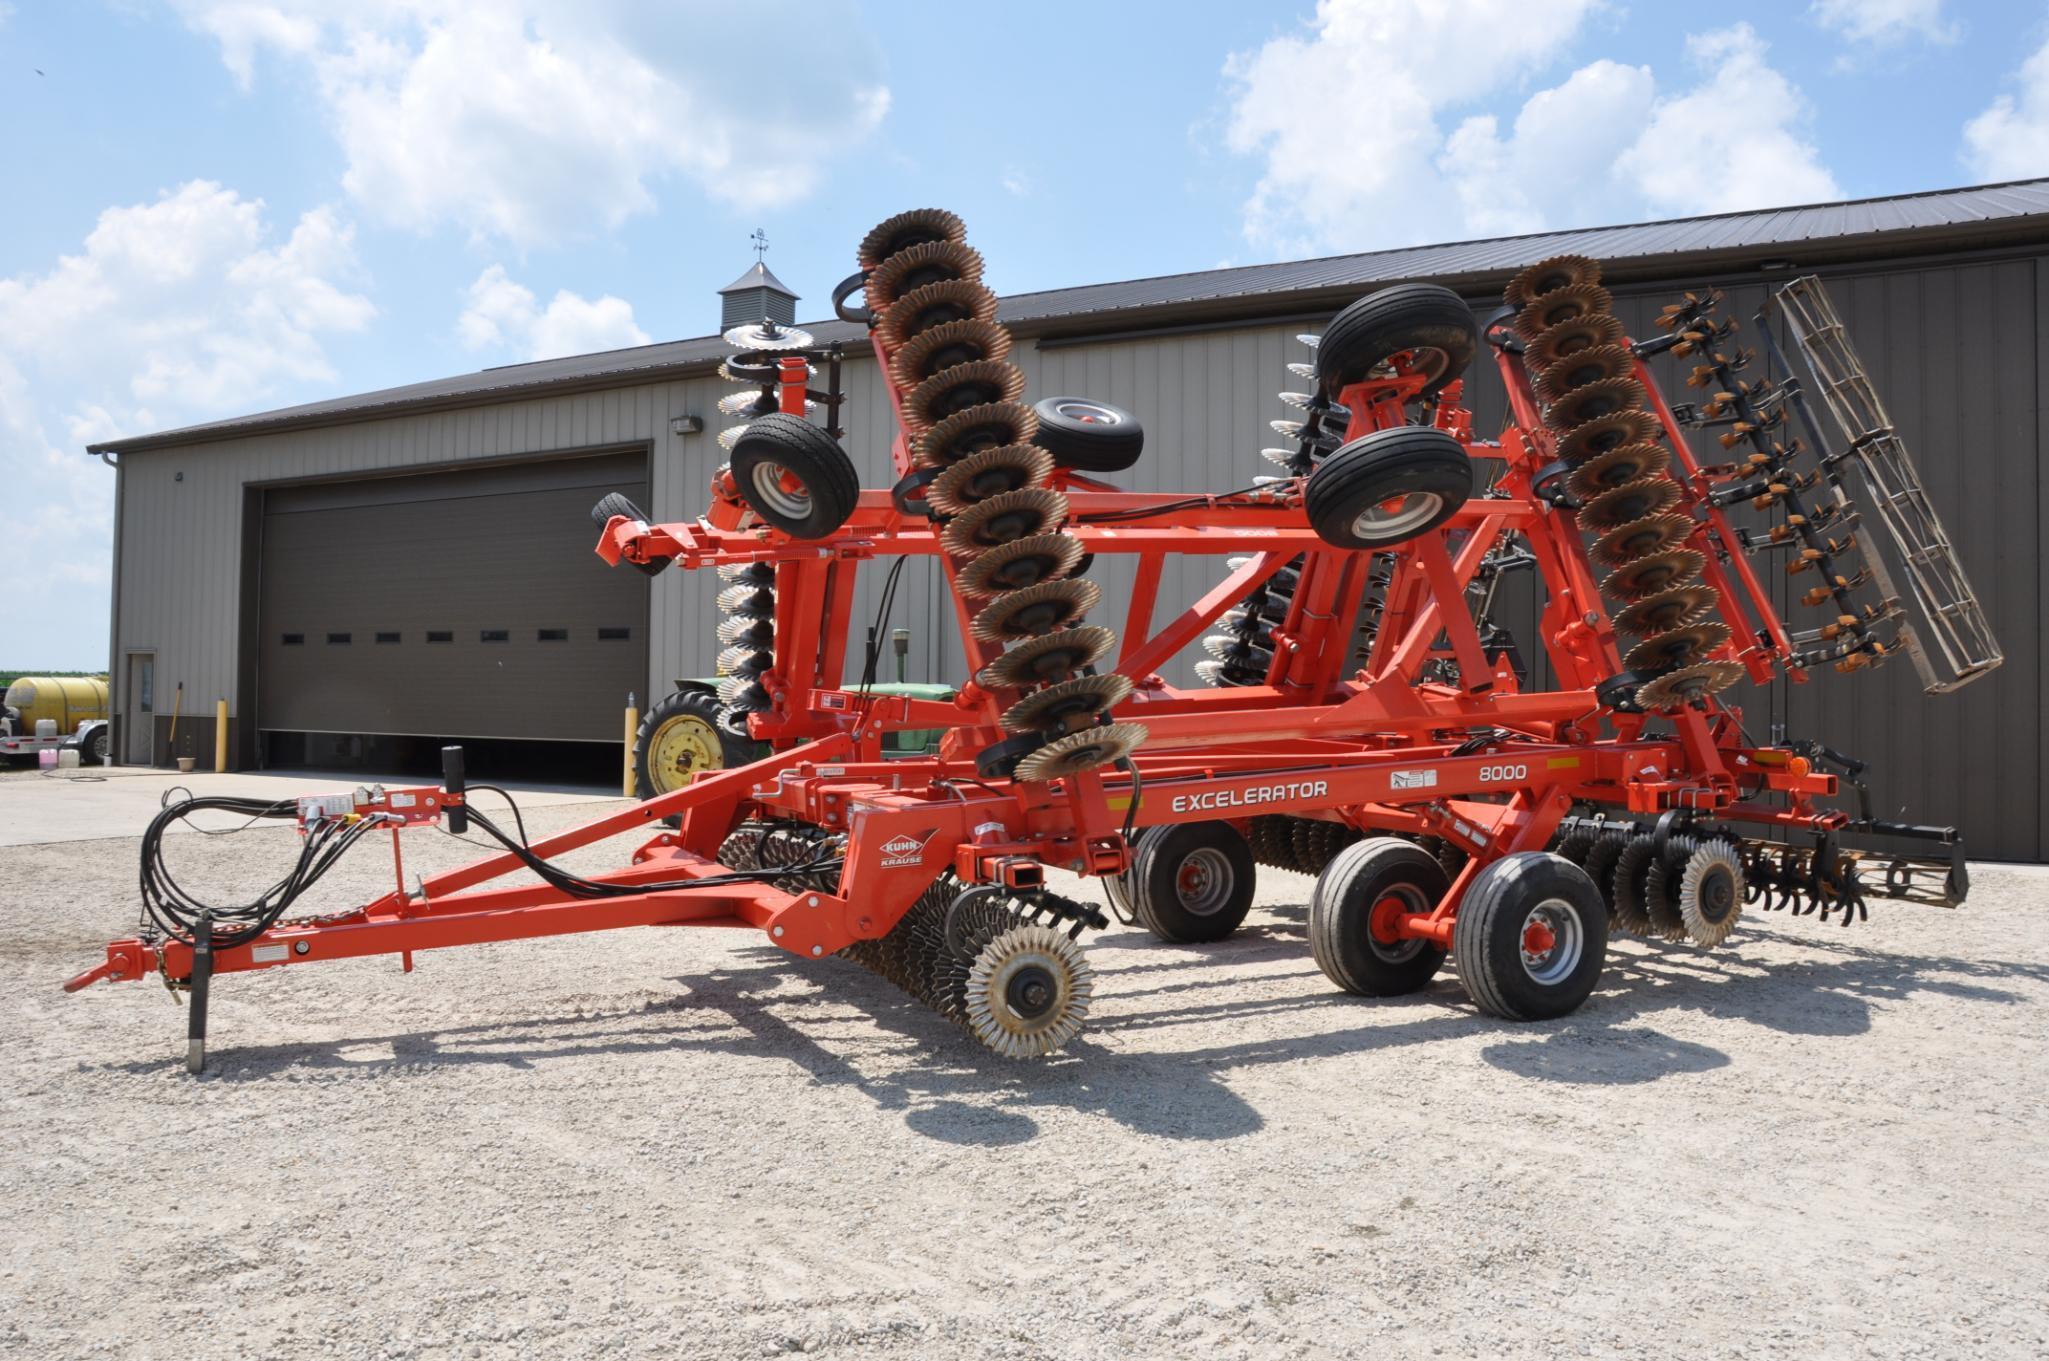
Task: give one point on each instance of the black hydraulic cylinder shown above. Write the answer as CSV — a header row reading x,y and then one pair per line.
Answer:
x,y
453,783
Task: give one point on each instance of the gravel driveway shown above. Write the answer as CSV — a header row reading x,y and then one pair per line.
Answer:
x,y
1817,1142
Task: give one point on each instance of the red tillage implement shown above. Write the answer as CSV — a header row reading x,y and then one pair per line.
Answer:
x,y
1364,717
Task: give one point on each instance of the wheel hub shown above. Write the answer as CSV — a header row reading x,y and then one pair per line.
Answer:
x,y
1031,992
1717,895
1384,922
782,489
682,747
1551,942
1088,413
1397,517
1204,882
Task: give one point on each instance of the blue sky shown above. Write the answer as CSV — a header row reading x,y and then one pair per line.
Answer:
x,y
232,205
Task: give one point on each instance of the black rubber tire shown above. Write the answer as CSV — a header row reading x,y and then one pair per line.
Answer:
x,y
615,503
97,749
1108,442
1384,324
1487,937
618,503
1155,887
1403,461
733,751
807,453
1120,897
1341,913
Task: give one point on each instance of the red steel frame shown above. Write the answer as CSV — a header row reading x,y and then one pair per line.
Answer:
x,y
1379,749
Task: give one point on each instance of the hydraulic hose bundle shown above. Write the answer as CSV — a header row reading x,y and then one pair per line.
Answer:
x,y
176,913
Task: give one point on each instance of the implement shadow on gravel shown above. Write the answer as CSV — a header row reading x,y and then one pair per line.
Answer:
x,y
762,1003
1829,997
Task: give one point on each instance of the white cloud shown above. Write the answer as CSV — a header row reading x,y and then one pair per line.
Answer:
x,y
1346,114
1017,182
1556,157
541,120
1886,21
2010,139
1351,119
173,311
501,313
1757,157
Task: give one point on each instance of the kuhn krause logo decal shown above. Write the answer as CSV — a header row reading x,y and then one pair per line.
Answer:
x,y
905,850
1245,798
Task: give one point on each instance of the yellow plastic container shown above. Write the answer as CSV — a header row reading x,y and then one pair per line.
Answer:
x,y
67,701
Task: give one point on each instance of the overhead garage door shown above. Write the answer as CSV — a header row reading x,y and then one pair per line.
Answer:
x,y
464,604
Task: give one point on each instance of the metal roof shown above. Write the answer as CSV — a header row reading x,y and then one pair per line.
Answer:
x,y
1938,220
759,276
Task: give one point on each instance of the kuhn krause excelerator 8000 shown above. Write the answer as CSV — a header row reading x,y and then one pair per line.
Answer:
x,y
1364,718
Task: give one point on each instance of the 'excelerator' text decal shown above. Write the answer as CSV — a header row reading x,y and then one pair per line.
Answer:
x,y
1242,798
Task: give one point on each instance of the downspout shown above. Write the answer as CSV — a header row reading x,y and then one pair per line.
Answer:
x,y
117,752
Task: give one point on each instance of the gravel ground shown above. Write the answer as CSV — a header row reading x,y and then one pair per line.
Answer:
x,y
1816,1142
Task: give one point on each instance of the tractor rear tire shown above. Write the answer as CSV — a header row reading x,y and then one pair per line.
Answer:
x,y
1530,937
1429,321
1388,487
1351,892
685,725
1191,882
795,476
1087,435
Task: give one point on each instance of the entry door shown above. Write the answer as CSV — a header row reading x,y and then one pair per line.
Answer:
x,y
140,711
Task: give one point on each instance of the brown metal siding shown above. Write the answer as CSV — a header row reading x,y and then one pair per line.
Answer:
x,y
1957,354
431,605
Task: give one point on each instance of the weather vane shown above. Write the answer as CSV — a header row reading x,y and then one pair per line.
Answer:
x,y
760,240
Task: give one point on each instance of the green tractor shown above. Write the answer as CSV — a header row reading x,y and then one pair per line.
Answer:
x,y
681,735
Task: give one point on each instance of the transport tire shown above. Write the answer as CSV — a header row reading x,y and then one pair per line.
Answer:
x,y
1530,937
680,737
1116,890
1368,882
617,503
97,748
1087,435
1192,882
1388,487
1431,324
795,476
